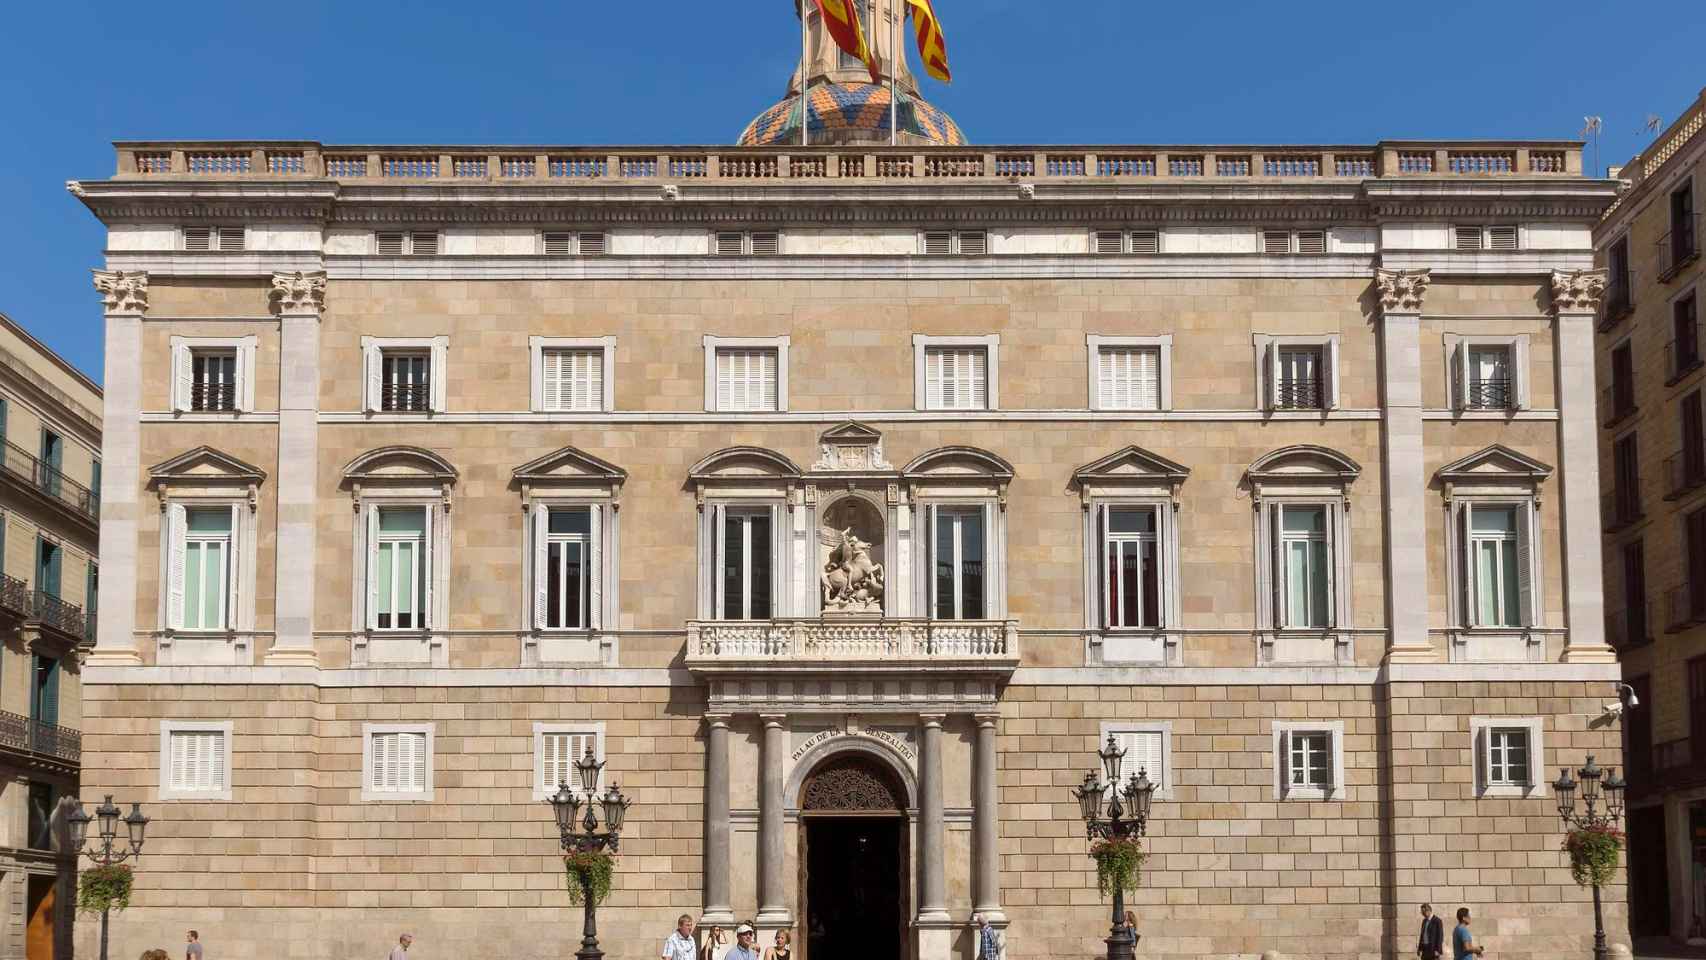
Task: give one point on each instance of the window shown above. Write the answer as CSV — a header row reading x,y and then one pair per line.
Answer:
x,y
751,243
955,373
567,558
1131,567
1621,393
1305,566
399,562
213,380
43,799
50,558
1508,754
1485,238
746,549
1624,502
405,375
1488,373
1125,241
1683,352
1489,384
52,462
1633,627
1682,244
573,374
1312,242
944,243
397,762
195,760
1619,285
565,243
1687,468
556,750
1499,565
404,243
1299,383
226,239
1148,750
746,374
1129,378
44,689
211,374
958,551
1309,760
1298,373
1688,602
206,575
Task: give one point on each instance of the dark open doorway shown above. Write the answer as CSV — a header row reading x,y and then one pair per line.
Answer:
x,y
854,877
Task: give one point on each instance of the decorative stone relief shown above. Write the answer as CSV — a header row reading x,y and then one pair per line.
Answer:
x,y
123,292
851,446
851,783
1577,291
1401,291
299,292
852,580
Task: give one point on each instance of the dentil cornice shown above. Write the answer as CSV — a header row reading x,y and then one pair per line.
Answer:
x,y
299,292
1401,291
1577,291
123,292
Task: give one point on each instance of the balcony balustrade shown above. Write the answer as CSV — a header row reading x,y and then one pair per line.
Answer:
x,y
21,733
1631,626
847,641
1616,403
20,465
1679,247
67,618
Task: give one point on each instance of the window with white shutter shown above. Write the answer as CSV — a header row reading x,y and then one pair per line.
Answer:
x,y
1495,565
731,244
1309,759
227,239
747,379
1501,238
398,243
1276,241
397,762
591,244
572,379
389,243
399,559
1129,378
195,760
956,378
973,243
766,243
198,238
1131,573
1467,238
205,575
566,555
1146,751
938,243
1108,241
1509,754
423,242
558,243
1313,242
942,243
557,748
1145,241
746,562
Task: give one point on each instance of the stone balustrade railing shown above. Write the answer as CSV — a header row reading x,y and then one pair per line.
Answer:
x,y
831,639
518,165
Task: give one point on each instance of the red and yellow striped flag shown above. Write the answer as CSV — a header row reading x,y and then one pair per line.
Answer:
x,y
844,28
932,48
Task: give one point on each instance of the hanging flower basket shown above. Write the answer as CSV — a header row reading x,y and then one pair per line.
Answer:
x,y
589,870
104,889
1593,854
1118,863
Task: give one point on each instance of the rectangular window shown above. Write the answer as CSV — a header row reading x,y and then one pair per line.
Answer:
x,y
1299,382
1692,465
52,462
44,689
1305,582
213,380
400,569
558,750
1145,753
1634,624
228,239
1622,382
1309,759
399,764
573,379
1497,571
407,383
1682,224
1626,480
1696,705
568,568
207,567
747,379
959,557
1131,567
956,378
1507,757
196,761
1685,336
1490,385
1129,378
942,243
747,558
397,243
1619,285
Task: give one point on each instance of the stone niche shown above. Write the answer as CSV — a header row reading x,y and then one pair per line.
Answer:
x,y
851,553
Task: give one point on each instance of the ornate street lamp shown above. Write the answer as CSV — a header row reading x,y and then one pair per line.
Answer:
x,y
107,855
1121,821
1591,786
565,806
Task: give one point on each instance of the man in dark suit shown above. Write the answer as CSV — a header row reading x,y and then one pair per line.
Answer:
x,y
1432,941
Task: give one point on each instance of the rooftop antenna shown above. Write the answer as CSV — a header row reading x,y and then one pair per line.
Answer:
x,y
1654,124
1592,125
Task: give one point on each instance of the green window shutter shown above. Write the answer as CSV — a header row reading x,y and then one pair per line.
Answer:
x,y
47,690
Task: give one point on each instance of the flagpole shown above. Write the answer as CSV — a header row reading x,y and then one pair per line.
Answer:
x,y
894,71
805,53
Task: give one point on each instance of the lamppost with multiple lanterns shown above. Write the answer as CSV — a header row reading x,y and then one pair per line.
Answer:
x,y
1592,819
1117,821
107,854
566,804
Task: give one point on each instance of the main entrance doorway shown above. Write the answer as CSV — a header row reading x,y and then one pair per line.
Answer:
x,y
853,862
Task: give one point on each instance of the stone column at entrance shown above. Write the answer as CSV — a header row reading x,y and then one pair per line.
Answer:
x,y
985,843
718,908
1575,298
772,749
932,891
1401,293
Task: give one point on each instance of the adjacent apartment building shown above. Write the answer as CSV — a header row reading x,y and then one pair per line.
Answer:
x,y
1653,452
50,466
843,499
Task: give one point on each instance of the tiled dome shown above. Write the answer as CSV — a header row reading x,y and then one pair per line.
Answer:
x,y
842,112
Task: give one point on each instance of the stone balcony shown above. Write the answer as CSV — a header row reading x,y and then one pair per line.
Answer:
x,y
865,645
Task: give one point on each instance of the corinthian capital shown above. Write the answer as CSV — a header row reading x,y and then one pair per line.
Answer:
x,y
299,292
1577,291
1401,291
122,292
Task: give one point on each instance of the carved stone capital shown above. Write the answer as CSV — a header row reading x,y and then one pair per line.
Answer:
x,y
123,292
1401,291
1577,291
299,292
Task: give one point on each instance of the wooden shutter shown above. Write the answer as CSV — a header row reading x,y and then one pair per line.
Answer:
x,y
242,391
374,362
769,382
1330,374
595,568
423,243
1330,763
1146,378
231,239
1330,519
729,244
558,243
1103,568
719,556
372,565
1163,563
766,243
1276,241
1144,751
179,746
1108,241
553,377
415,753
591,244
725,379
1467,238
1525,563
429,568
438,372
177,526
974,243
1312,241
1145,241
183,377
555,760
1273,375
1501,238
930,521
1483,759
1285,761
1277,558
938,243
198,238
1466,559
1519,372
233,566
541,560
1460,376
388,243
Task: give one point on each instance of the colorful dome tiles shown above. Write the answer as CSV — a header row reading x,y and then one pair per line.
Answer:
x,y
860,109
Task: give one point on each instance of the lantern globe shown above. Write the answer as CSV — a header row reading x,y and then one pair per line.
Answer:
x,y
1111,756
136,825
79,823
588,767
615,809
107,814
1089,797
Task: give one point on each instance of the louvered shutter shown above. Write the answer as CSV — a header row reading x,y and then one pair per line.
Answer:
x,y
1501,238
591,244
1276,552
372,617
1109,241
388,243
974,243
1312,241
180,746
1460,376
1143,754
990,592
1146,378
374,361
231,239
242,392
553,378
1104,567
1276,241
558,243
1145,241
438,372
1524,564
1468,238
1107,373
719,534
770,384
1519,372
198,238
592,390
766,243
938,243
1328,766
417,755
1163,563
1273,375
1330,374
177,526
183,377
933,379
595,568
1483,757
1284,761
429,570
930,548
423,243
1330,517
541,571
553,761
729,244
233,564
1466,558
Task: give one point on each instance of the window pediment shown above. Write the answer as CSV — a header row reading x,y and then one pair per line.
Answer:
x,y
744,463
1496,466
947,463
1132,469
401,470
1302,465
570,467
206,471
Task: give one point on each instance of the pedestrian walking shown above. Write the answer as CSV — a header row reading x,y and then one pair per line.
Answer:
x,y
1463,946
680,944
1131,926
1431,944
782,950
713,942
192,946
744,938
401,950
989,940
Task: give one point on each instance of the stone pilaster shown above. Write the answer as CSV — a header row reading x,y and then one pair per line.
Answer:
x,y
772,751
125,296
1575,302
718,908
1401,293
299,299
985,829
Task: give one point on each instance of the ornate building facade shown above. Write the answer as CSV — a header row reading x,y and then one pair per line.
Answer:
x,y
843,499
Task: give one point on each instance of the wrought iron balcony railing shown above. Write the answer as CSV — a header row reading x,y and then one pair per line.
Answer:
x,y
1616,402
1617,304
1679,247
1682,356
1631,626
1491,393
1622,506
213,396
19,732
48,481
1684,606
1684,470
1298,394
814,640
405,397
61,615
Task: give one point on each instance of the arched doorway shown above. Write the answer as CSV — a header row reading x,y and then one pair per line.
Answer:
x,y
854,861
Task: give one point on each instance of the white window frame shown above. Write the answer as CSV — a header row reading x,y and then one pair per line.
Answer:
x,y
921,345
992,592
1281,565
1163,539
955,242
216,235
183,371
778,541
543,790
537,346
1484,241
409,241
1128,241
576,238
593,563
239,564
373,351
715,343
1457,348
1282,731
1480,740
746,244
170,728
368,792
423,593
1163,779
1268,348
1460,543
1095,345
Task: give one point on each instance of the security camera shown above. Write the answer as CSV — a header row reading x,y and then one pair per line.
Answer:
x,y
1614,709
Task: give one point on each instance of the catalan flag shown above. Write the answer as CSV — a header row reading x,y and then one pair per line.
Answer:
x,y
842,22
932,48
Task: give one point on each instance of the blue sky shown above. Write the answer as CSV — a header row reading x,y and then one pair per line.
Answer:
x,y
76,76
